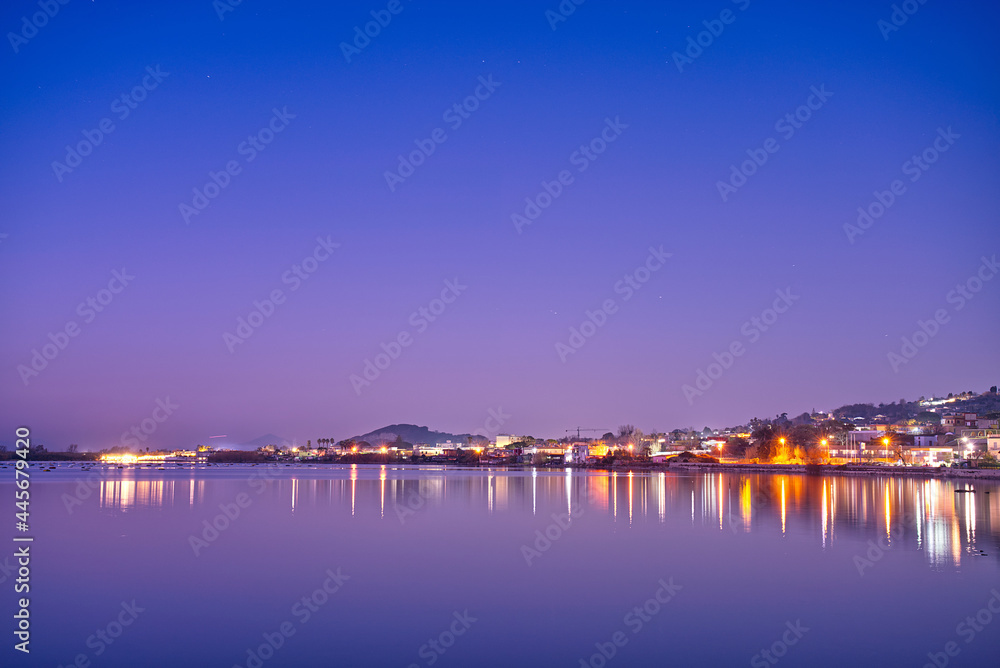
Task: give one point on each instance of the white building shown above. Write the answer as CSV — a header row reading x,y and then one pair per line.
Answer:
x,y
932,455
422,449
505,440
448,445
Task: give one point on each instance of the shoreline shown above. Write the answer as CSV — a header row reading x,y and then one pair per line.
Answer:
x,y
700,467
829,469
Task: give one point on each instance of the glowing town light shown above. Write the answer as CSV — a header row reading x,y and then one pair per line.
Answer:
x,y
119,459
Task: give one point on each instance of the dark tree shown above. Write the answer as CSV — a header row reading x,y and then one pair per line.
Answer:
x,y
736,447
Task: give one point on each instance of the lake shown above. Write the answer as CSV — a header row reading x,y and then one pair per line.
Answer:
x,y
275,565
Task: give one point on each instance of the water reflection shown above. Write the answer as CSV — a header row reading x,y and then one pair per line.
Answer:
x,y
947,519
126,493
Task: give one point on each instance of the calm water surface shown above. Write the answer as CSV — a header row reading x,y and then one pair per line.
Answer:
x,y
403,566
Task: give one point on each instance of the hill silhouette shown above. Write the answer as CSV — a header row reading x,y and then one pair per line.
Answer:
x,y
411,433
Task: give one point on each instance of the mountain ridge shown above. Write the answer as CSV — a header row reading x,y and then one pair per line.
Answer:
x,y
412,433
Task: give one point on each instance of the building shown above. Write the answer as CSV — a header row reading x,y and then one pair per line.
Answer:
x,y
425,450
506,440
862,446
546,451
971,441
960,420
578,453
713,445
582,452
930,455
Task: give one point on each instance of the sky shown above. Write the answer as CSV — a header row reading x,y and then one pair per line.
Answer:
x,y
636,213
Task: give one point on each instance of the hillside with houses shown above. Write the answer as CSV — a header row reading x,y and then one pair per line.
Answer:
x,y
956,429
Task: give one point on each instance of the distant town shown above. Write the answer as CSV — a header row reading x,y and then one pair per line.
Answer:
x,y
957,430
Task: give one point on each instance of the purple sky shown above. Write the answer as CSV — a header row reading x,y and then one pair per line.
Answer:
x,y
495,345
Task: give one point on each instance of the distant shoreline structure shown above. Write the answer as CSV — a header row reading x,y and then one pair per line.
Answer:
x,y
634,467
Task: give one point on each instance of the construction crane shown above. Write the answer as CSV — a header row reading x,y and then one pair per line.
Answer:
x,y
579,429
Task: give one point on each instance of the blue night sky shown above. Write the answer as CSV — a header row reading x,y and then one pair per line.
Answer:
x,y
517,289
